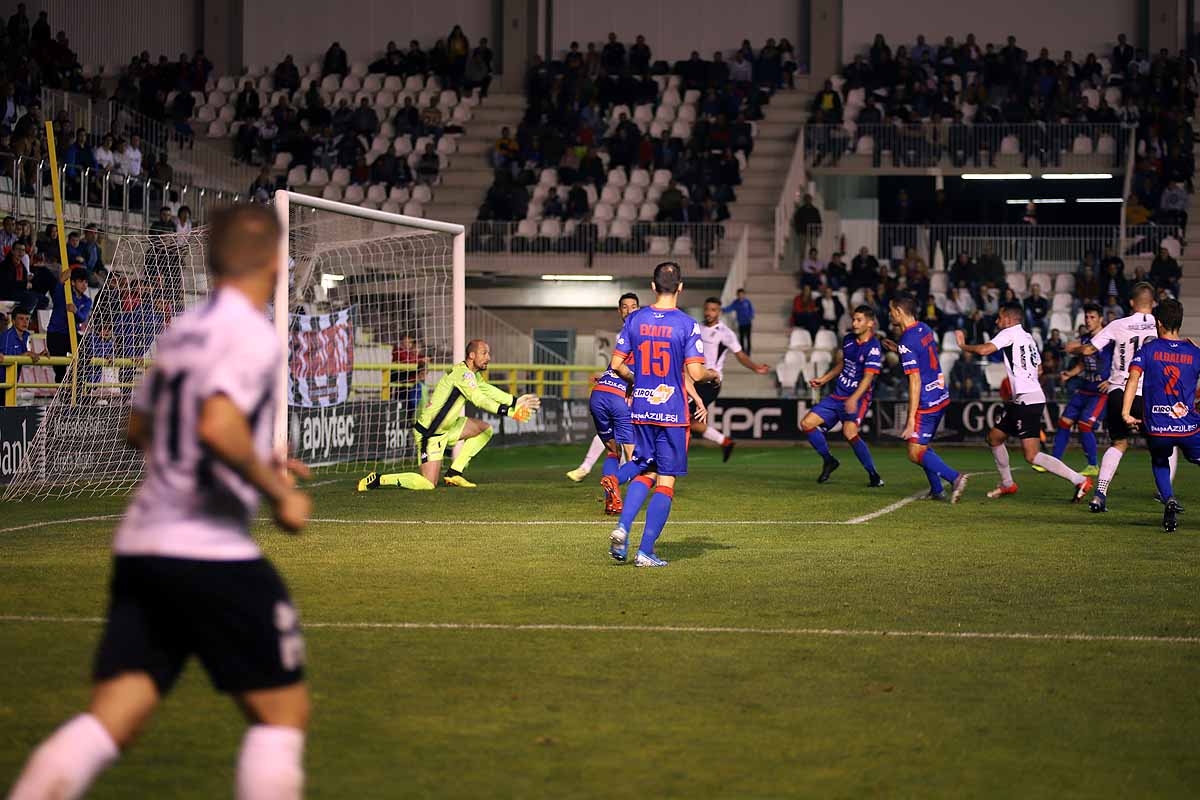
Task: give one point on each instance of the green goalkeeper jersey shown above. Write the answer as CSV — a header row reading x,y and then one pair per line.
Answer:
x,y
455,388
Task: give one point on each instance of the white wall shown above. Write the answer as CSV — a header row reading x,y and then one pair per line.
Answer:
x,y
306,28
1081,26
674,28
114,31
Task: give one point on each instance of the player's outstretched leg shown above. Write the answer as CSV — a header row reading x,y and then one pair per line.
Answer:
x,y
1062,437
475,436
67,763
861,452
635,498
405,480
716,437
1108,469
595,449
934,463
1000,455
657,512
811,427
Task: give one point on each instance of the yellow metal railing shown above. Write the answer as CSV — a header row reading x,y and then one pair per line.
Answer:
x,y
570,379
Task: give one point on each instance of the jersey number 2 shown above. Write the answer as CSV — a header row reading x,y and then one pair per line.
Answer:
x,y
656,358
1171,373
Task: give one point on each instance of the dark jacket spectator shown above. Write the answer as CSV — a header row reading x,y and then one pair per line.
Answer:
x,y
246,107
864,270
1165,272
287,76
335,62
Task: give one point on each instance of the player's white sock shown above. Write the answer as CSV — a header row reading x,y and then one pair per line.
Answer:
x,y
269,766
1000,454
593,453
65,765
1173,462
1108,468
713,435
1052,464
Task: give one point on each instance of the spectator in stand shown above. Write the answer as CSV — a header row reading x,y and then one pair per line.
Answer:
x,y
428,166
505,152
287,75
246,106
58,336
477,74
829,103
1055,344
89,250
639,56
835,271
812,270
831,309
77,158
612,57
263,187
1173,207
743,311
991,269
15,340
1135,212
963,272
806,223
431,119
183,221
966,378
1165,272
805,312
864,270
16,279
163,173
1037,309
1113,284
165,222
335,61
365,122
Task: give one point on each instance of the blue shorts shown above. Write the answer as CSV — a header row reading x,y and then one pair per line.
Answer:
x,y
662,449
832,410
928,420
610,413
1086,408
1160,447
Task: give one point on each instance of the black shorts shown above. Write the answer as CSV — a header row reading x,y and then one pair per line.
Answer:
x,y
708,391
1022,421
235,616
1117,429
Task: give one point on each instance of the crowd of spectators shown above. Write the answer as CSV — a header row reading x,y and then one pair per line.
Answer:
x,y
966,86
596,110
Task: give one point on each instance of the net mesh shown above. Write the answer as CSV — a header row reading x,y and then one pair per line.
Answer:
x,y
370,308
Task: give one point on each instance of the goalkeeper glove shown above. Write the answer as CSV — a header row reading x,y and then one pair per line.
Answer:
x,y
520,413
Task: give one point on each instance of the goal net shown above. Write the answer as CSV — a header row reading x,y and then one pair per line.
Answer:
x,y
374,300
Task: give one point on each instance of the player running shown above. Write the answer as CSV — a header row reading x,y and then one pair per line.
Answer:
x,y
626,305
857,364
1168,368
1088,403
719,341
187,577
666,344
1022,415
927,397
441,424
1125,336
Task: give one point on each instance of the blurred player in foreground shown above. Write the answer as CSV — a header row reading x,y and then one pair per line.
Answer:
x,y
666,346
1088,403
858,362
927,397
441,424
1022,415
1169,367
719,341
187,577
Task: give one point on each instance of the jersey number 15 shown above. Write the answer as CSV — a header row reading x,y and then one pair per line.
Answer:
x,y
655,358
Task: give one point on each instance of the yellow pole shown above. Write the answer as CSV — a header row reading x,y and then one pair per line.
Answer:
x,y
62,253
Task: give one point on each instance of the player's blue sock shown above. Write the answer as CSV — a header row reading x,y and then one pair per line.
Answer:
x,y
934,462
611,463
1162,477
1088,440
816,437
1061,439
635,496
863,453
628,471
656,517
935,482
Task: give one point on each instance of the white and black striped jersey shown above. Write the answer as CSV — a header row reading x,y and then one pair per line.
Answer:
x,y
1022,361
189,505
719,341
1125,336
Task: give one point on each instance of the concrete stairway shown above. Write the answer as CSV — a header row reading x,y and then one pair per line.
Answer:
x,y
770,290
458,197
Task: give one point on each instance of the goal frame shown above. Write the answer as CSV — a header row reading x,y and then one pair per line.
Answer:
x,y
283,201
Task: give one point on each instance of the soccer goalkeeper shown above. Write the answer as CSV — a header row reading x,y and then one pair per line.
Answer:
x,y
441,425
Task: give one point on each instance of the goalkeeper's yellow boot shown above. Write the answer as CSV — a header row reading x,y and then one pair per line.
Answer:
x,y
457,479
578,474
371,481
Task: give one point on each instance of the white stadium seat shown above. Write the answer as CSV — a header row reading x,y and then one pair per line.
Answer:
x,y
800,339
682,246
1040,279
354,194
1016,282
1064,282
297,176
413,209
825,340
1061,320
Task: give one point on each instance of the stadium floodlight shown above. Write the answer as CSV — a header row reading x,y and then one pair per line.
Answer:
x,y
1099,200
360,287
595,278
1076,176
996,176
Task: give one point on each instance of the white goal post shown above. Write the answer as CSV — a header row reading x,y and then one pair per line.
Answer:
x,y
284,200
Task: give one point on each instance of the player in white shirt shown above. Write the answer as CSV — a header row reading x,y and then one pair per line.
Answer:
x,y
719,341
1022,416
1125,336
187,578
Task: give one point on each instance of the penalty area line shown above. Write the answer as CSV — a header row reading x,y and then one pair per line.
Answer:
x,y
843,633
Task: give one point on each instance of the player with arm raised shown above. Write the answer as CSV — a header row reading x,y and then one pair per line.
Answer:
x,y
1022,415
441,424
666,345
857,364
1087,405
719,341
927,397
187,577
1168,367
1124,336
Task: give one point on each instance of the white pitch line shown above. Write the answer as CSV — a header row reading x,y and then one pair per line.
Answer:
x,y
844,633
885,510
47,523
509,523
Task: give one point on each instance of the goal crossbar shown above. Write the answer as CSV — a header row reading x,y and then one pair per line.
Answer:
x,y
283,201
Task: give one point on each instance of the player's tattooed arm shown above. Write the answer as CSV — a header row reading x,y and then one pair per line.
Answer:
x,y
1080,349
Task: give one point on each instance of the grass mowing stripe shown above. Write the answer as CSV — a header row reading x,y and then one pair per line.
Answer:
x,y
716,629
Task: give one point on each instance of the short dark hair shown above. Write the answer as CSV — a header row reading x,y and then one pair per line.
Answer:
x,y
1093,308
1141,289
866,311
906,303
242,239
1169,314
741,290
1014,308
708,300
79,274
628,296
473,346
667,277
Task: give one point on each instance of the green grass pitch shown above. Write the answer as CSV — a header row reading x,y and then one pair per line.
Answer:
x,y
822,706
